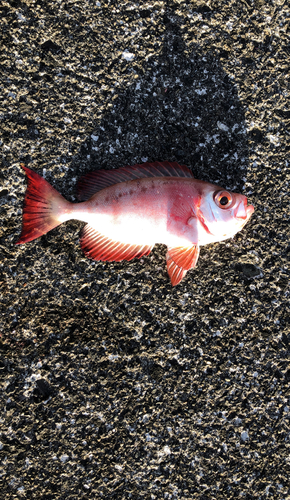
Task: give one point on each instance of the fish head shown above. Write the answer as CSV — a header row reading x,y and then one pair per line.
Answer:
x,y
222,213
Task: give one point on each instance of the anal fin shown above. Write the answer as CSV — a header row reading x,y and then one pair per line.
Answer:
x,y
99,247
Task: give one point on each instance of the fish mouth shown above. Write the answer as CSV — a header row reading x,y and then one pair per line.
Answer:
x,y
243,211
249,211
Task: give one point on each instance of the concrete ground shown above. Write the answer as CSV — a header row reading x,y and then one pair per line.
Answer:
x,y
113,383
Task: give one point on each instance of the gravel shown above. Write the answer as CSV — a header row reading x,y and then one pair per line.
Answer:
x,y
114,384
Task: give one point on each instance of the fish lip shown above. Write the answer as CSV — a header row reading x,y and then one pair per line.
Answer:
x,y
248,210
241,207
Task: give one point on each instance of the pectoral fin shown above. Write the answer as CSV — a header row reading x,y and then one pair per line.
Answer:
x,y
179,261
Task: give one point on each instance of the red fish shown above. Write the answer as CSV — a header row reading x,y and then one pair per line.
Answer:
x,y
130,209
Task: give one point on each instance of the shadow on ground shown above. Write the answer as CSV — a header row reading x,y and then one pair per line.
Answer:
x,y
183,108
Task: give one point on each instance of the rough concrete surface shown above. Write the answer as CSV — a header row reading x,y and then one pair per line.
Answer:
x,y
113,383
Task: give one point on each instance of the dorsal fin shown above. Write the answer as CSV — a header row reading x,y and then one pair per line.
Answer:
x,y
93,182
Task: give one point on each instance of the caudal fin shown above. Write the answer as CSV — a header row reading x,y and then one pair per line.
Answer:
x,y
44,208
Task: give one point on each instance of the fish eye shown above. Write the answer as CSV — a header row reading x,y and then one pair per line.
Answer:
x,y
223,199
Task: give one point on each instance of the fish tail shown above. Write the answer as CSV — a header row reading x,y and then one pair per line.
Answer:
x,y
44,208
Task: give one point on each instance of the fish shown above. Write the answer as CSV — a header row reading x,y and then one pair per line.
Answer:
x,y
130,209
